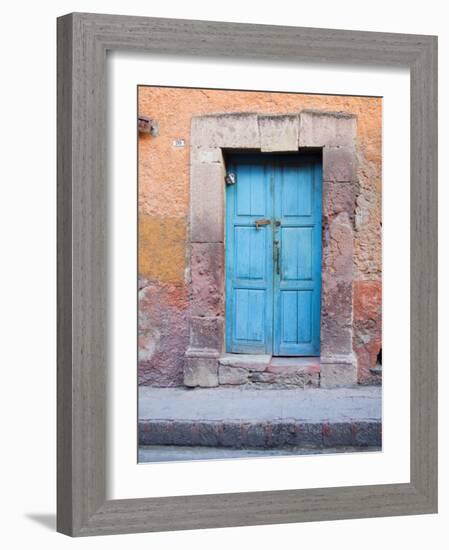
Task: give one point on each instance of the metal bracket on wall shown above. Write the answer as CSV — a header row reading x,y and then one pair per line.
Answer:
x,y
231,178
147,125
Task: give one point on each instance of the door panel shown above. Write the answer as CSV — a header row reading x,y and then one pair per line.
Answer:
x,y
249,254
296,311
296,190
296,253
251,197
297,278
249,267
273,273
249,305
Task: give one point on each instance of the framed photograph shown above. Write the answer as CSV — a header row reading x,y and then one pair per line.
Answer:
x,y
247,282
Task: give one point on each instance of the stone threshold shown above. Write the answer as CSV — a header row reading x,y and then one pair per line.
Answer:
x,y
259,370
246,418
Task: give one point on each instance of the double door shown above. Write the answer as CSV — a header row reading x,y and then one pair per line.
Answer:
x,y
273,254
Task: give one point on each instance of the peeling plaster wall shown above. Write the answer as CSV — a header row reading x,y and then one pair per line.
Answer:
x,y
163,214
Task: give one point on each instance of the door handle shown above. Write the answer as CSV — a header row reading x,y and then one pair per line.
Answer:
x,y
277,256
260,223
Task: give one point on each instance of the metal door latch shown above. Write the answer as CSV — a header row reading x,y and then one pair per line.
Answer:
x,y
260,223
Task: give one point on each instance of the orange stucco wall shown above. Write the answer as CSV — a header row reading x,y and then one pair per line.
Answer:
x,y
163,217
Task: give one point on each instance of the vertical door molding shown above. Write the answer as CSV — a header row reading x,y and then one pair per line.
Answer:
x,y
335,134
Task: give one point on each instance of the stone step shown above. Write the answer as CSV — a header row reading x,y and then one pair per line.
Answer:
x,y
254,363
245,418
260,370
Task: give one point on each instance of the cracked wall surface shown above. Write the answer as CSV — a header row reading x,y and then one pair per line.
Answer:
x,y
164,172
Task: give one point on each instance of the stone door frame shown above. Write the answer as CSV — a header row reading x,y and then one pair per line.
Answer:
x,y
333,132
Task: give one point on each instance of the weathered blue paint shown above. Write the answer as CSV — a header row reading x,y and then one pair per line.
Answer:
x,y
249,253
297,280
273,273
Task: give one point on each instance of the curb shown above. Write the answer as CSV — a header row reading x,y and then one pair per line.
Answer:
x,y
266,435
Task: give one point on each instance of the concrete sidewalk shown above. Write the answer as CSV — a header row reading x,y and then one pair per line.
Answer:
x,y
310,405
248,418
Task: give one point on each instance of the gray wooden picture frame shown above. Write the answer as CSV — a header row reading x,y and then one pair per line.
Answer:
x,y
83,40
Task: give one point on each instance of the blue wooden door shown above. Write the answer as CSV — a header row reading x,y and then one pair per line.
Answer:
x,y
297,236
273,255
249,256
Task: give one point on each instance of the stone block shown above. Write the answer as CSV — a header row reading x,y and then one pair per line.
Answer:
x,y
207,155
254,434
234,131
230,435
338,371
339,164
367,434
321,129
208,434
337,434
285,370
301,376
290,379
232,375
207,203
253,363
337,293
143,430
278,132
335,339
182,433
201,371
207,275
281,434
338,197
207,332
338,248
309,434
336,300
